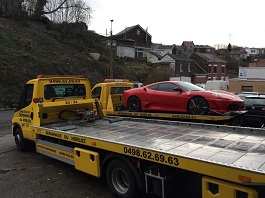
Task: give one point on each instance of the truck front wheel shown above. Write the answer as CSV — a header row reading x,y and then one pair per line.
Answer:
x,y
121,180
19,140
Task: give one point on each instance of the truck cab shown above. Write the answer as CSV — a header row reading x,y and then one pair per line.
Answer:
x,y
48,99
111,91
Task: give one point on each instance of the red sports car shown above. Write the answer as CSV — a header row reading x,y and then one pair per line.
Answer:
x,y
182,97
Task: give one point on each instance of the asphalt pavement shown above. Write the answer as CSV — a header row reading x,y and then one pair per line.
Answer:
x,y
32,175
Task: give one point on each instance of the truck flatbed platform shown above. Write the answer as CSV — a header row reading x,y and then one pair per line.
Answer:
x,y
234,153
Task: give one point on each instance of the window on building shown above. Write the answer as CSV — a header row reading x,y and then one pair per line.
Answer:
x,y
215,69
139,52
247,88
189,67
138,31
180,67
209,68
223,69
208,50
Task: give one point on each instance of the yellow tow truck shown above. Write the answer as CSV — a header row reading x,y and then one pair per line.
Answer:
x,y
138,156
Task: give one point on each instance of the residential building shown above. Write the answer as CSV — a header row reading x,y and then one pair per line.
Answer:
x,y
257,62
165,49
132,42
254,51
215,66
204,49
238,54
186,69
250,79
187,47
181,66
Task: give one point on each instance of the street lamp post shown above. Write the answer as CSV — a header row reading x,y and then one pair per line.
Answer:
x,y
111,65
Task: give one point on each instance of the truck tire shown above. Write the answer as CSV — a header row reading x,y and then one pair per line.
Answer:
x,y
20,140
121,180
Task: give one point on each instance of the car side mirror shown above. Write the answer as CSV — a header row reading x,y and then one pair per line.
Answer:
x,y
178,89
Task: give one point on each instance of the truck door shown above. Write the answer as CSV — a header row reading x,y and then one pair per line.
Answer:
x,y
24,113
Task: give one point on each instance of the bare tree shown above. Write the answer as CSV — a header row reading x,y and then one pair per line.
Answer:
x,y
59,10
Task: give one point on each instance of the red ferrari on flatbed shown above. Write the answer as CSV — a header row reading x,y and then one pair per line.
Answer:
x,y
181,97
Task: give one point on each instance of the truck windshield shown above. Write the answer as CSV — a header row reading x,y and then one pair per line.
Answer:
x,y
118,90
64,90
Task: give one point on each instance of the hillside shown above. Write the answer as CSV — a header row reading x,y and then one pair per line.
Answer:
x,y
28,49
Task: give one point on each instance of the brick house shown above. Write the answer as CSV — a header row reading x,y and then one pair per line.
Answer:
x,y
257,62
187,70
204,49
215,66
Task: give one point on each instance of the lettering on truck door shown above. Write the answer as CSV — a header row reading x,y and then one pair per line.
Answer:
x,y
24,113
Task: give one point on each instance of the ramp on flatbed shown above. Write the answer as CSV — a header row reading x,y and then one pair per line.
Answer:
x,y
208,149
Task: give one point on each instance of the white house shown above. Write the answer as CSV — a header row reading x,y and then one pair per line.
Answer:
x,y
254,51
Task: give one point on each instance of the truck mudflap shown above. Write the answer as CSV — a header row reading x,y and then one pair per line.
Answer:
x,y
214,188
87,161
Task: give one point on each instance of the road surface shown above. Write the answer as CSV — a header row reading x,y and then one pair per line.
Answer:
x,y
32,175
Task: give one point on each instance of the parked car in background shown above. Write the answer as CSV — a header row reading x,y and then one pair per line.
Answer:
x,y
255,115
216,84
182,97
244,94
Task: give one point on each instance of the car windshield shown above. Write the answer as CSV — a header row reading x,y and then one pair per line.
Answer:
x,y
190,87
254,101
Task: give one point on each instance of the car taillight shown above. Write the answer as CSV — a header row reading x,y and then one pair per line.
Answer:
x,y
263,109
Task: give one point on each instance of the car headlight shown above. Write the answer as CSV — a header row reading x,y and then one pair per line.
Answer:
x,y
220,96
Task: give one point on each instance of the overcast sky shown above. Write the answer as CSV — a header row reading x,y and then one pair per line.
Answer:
x,y
205,22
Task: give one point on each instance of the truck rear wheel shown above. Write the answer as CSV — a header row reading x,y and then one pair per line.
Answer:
x,y
121,180
20,140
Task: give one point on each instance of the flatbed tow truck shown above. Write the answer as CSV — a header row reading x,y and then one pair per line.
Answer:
x,y
139,156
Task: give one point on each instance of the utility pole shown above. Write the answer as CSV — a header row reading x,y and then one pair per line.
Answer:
x,y
111,64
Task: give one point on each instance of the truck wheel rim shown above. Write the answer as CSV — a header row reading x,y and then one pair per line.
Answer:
x,y
120,181
17,139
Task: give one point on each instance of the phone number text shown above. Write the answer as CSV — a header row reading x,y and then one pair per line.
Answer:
x,y
165,159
